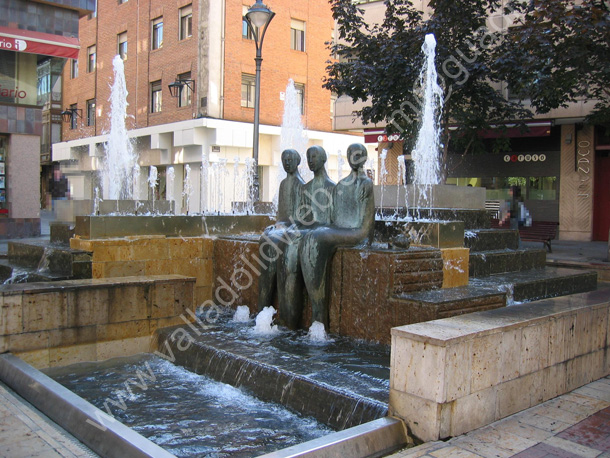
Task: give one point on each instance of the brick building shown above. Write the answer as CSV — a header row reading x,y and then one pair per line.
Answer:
x,y
207,42
35,38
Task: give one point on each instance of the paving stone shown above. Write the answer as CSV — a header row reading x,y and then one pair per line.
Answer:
x,y
578,449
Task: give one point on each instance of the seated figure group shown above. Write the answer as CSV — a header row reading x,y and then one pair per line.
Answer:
x,y
313,220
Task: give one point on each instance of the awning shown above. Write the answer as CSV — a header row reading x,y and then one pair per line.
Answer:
x,y
19,40
533,129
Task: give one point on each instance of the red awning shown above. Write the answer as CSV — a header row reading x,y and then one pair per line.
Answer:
x,y
533,129
38,43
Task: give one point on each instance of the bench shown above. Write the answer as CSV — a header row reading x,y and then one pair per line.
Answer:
x,y
539,231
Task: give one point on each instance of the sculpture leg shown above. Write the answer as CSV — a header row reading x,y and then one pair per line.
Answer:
x,y
316,254
290,287
269,256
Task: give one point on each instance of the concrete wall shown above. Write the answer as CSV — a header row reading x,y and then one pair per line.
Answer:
x,y
454,375
60,323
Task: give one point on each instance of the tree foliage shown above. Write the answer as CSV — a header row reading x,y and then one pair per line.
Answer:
x,y
560,53
380,64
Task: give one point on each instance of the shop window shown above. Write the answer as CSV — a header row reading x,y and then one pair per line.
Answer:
x,y
157,33
297,35
122,45
248,83
156,97
91,112
542,188
186,22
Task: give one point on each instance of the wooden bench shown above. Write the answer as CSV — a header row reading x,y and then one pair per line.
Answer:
x,y
539,231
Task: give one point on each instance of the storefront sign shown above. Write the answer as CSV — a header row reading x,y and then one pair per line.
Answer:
x,y
18,78
525,157
583,167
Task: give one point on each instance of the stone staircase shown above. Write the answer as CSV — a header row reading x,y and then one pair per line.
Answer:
x,y
497,261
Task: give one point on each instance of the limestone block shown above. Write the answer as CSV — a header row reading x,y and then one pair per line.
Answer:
x,y
186,267
72,336
472,412
124,269
207,248
154,248
87,306
80,244
98,270
422,416
205,276
600,328
419,369
185,248
157,267
557,339
554,381
103,253
126,253
44,311
4,344
128,303
125,330
486,361
202,295
534,347
584,331
29,341
124,347
161,323
510,355
458,370
516,395
36,358
569,335
163,300
62,356
11,314
184,296
455,266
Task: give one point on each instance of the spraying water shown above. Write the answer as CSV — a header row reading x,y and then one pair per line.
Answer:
x,y
264,322
426,155
205,179
249,180
96,201
117,172
186,192
383,173
152,183
292,135
317,333
169,186
242,314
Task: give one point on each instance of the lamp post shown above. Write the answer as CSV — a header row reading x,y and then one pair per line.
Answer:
x,y
258,18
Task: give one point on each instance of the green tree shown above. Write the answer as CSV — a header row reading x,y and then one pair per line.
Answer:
x,y
559,52
380,64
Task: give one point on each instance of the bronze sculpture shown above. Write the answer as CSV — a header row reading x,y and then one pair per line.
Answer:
x,y
289,198
351,223
313,211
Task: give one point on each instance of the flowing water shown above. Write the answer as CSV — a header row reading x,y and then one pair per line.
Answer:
x,y
189,415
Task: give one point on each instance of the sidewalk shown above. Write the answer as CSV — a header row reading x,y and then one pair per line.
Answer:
x,y
576,424
26,432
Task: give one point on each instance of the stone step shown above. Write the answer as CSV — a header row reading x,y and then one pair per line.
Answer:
x,y
491,239
486,263
443,303
535,284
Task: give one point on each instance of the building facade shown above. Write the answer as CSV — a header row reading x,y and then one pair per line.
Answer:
x,y
561,165
35,39
207,46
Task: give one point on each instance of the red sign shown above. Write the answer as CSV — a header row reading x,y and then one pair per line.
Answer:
x,y
19,40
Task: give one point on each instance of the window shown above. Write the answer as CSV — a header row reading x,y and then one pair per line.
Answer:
x,y
73,68
297,35
156,96
246,32
91,112
157,33
300,88
73,108
122,1
186,94
91,59
186,22
248,83
122,45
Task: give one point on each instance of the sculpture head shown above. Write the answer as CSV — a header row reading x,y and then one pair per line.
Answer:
x,y
356,155
316,158
290,160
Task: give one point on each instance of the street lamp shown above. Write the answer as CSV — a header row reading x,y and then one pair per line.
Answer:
x,y
175,88
258,18
71,113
